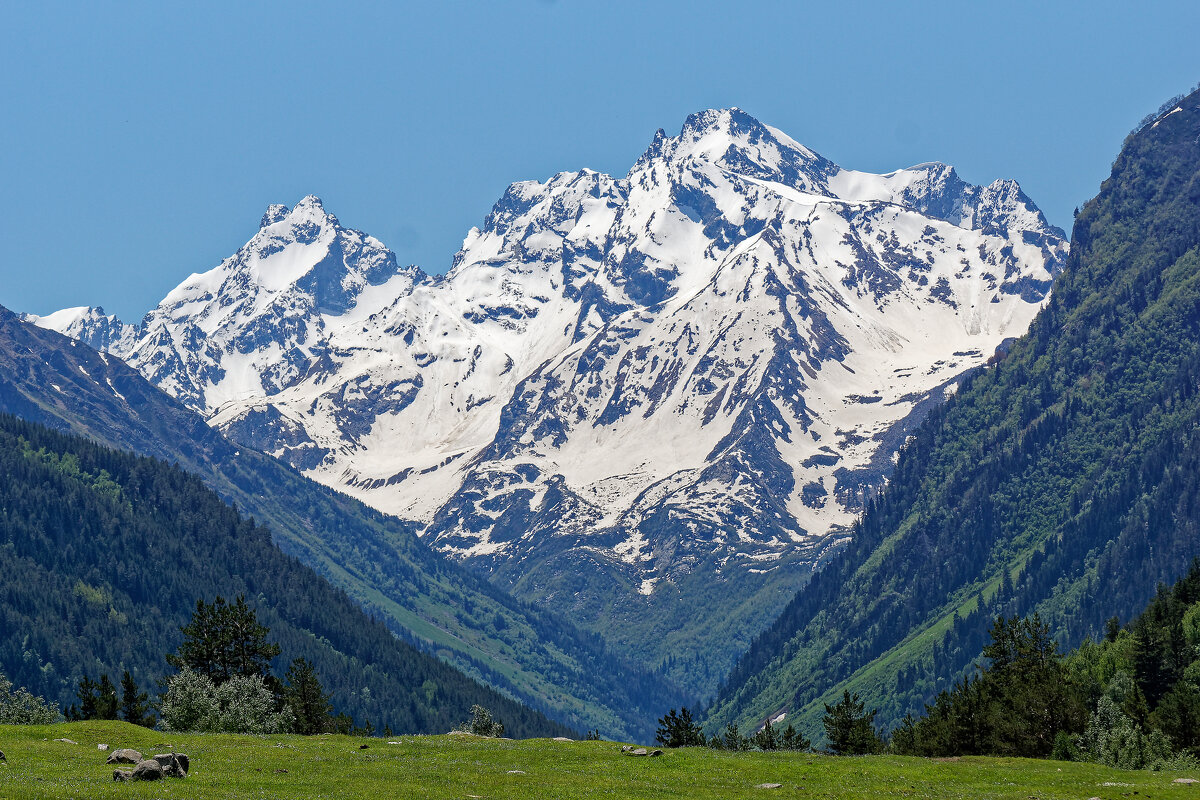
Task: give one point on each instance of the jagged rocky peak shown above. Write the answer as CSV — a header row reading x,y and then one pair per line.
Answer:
x,y
274,213
734,140
302,253
90,325
713,357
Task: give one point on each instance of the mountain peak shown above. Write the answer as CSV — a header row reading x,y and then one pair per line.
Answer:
x,y
276,212
731,120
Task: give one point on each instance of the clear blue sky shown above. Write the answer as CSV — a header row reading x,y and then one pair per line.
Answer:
x,y
140,142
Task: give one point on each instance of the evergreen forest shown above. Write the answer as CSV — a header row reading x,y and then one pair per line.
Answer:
x,y
104,556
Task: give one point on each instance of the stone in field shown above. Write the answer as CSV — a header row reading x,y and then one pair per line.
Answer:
x,y
124,756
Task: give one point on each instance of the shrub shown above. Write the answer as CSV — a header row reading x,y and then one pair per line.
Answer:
x,y
23,708
482,724
239,705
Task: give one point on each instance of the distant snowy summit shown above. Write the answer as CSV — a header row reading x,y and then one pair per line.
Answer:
x,y
697,370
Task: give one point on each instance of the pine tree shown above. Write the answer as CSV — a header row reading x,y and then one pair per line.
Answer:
x,y
791,739
679,730
850,728
224,641
135,706
307,699
87,700
97,699
765,738
106,699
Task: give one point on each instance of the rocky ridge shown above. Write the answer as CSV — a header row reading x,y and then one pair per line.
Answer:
x,y
627,390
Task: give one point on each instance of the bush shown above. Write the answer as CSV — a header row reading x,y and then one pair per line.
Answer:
x,y
240,705
482,724
23,708
247,706
190,703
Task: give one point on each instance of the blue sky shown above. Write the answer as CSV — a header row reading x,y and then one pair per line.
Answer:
x,y
140,142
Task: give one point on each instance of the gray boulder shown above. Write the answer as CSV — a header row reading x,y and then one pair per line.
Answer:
x,y
148,770
124,756
121,775
174,765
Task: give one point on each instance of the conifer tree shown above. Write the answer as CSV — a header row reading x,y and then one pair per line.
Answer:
x,y
306,698
224,641
850,728
679,730
135,706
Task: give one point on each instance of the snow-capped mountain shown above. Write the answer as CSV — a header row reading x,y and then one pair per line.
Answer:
x,y
693,373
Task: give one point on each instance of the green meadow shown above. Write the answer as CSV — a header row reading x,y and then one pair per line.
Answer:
x,y
457,766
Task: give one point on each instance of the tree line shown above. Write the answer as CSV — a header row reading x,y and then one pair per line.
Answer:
x,y
99,547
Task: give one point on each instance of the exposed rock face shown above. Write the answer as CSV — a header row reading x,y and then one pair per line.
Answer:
x,y
628,390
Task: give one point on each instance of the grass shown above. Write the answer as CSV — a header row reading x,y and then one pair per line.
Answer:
x,y
297,767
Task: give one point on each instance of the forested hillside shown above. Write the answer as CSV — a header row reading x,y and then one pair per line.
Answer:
x,y
1065,479
104,554
530,653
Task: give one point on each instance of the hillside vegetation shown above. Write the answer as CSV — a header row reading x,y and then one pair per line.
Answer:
x,y
1065,479
531,654
104,554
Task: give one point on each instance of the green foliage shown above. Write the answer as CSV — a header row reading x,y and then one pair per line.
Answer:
x,y
306,698
679,730
97,700
1113,739
22,707
850,728
246,705
190,703
1030,701
157,545
135,705
731,739
765,738
481,723
225,641
242,704
1064,748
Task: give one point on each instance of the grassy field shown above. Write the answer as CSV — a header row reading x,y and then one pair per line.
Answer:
x,y
465,767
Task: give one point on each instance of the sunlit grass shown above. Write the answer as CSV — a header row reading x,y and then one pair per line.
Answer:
x,y
462,767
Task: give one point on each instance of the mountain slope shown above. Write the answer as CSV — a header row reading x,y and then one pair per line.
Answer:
x,y
627,390
1062,480
530,654
103,555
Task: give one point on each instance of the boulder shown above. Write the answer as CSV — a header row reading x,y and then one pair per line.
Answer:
x,y
174,765
148,770
768,786
101,747
562,739
122,774
124,756
1185,780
